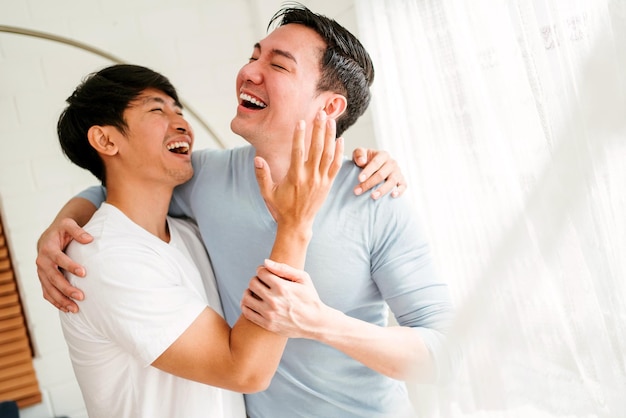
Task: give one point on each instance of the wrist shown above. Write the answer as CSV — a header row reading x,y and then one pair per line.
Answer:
x,y
327,319
296,231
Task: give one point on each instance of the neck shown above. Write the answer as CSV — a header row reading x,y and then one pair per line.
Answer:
x,y
277,159
147,206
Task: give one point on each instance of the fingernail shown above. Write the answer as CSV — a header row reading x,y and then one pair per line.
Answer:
x,y
258,163
79,272
321,115
301,125
376,194
362,176
358,191
70,309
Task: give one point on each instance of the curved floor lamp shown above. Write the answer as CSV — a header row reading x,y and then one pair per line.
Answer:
x,y
104,54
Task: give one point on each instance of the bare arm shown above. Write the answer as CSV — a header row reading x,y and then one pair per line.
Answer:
x,y
245,358
50,256
398,352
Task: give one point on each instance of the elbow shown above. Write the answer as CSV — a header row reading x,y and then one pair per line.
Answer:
x,y
258,386
419,371
252,382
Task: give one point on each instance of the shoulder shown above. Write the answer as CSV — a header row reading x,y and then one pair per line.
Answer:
x,y
213,163
347,180
216,155
117,243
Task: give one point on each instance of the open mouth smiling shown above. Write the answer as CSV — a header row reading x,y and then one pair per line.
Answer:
x,y
250,102
179,147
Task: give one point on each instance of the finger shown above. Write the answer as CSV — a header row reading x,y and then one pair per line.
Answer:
x,y
386,187
273,284
61,260
372,182
386,177
258,287
53,288
248,310
297,147
263,175
59,301
71,228
258,319
49,274
330,147
252,293
318,139
359,156
376,161
399,190
286,271
338,159
255,310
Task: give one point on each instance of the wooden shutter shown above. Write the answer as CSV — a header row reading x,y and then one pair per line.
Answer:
x,y
18,381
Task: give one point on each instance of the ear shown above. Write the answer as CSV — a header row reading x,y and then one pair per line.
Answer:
x,y
335,105
101,140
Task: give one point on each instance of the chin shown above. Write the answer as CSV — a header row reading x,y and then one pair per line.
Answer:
x,y
239,128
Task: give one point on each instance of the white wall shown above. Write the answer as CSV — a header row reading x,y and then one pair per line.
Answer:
x,y
198,44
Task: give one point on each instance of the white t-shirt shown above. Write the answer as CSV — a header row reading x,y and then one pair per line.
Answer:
x,y
141,294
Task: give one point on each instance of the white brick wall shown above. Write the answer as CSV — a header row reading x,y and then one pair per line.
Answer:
x,y
198,44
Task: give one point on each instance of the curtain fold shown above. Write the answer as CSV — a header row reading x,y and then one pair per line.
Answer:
x,y
509,119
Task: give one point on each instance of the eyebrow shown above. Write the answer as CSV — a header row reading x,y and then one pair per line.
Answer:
x,y
280,52
150,99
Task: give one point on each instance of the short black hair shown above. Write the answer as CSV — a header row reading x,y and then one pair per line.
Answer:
x,y
345,65
101,99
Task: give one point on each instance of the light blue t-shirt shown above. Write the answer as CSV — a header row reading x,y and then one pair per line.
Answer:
x,y
364,255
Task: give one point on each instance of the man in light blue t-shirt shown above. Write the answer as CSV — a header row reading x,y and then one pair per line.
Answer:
x,y
342,360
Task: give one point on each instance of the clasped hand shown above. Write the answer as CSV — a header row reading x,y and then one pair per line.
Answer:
x,y
283,300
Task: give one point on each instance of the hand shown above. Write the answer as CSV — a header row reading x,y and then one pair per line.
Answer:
x,y
283,300
380,167
51,258
297,198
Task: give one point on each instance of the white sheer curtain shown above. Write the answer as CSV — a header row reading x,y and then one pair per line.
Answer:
x,y
509,117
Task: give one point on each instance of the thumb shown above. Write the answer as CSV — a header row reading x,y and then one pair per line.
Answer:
x,y
285,271
359,156
263,175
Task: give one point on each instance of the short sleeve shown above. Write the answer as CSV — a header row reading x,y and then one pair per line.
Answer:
x,y
138,300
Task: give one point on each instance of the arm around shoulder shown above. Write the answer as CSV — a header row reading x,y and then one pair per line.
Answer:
x,y
50,256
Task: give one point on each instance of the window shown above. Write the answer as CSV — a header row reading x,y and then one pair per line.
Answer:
x,y
18,381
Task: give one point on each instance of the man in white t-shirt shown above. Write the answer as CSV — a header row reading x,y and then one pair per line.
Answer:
x,y
150,339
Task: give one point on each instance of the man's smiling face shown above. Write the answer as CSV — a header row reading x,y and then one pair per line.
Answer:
x,y
277,87
156,145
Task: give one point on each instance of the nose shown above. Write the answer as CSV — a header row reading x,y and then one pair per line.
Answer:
x,y
181,125
251,72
